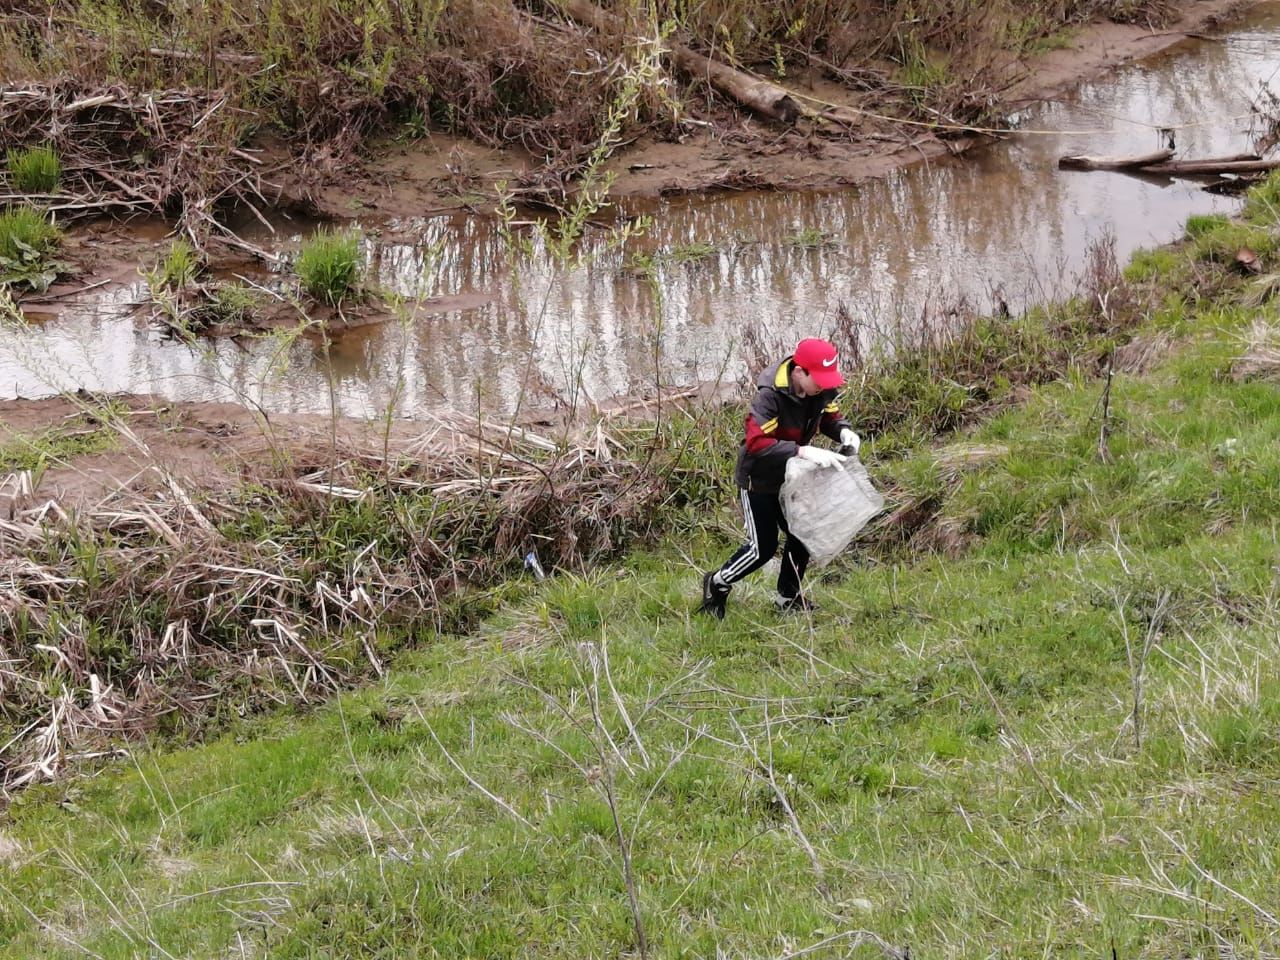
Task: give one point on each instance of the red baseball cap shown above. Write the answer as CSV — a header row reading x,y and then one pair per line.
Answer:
x,y
819,358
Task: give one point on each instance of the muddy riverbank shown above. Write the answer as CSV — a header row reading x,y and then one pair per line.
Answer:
x,y
441,173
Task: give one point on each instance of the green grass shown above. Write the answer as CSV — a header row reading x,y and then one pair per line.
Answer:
x,y
809,238
34,169
329,265
29,244
57,444
178,268
234,303
1063,740
693,252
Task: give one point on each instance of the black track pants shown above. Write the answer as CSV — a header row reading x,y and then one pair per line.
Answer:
x,y
763,514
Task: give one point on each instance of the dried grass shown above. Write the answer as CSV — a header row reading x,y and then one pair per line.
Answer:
x,y
194,165
958,458
11,851
1261,359
1142,352
328,78
160,606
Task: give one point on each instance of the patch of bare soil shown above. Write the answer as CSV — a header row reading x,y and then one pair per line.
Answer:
x,y
440,173
210,445
215,447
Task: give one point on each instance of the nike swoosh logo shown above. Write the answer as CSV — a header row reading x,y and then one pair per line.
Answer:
x,y
829,363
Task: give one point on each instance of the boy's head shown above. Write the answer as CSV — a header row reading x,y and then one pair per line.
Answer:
x,y
817,358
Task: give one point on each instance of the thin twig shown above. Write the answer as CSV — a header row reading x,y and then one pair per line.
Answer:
x,y
470,779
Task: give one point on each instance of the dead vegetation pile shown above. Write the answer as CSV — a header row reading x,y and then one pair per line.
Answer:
x,y
124,152
181,90
176,607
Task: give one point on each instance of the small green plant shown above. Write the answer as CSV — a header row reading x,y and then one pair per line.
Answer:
x,y
810,238
233,303
646,264
329,265
29,243
689,252
922,71
179,267
34,169
21,452
779,63
1201,223
414,126
1263,203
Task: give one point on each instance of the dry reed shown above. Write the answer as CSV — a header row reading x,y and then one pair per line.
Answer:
x,y
173,606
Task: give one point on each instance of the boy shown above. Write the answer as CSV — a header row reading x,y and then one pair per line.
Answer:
x,y
793,401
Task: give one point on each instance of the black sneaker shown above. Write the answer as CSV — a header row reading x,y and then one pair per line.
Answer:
x,y
713,596
796,604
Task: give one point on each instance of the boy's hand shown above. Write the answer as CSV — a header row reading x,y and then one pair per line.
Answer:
x,y
821,456
849,442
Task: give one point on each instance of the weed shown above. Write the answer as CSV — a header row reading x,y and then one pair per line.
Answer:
x,y
646,265
690,252
178,269
1262,205
413,127
810,238
34,169
29,243
55,445
234,303
1200,224
329,265
1220,241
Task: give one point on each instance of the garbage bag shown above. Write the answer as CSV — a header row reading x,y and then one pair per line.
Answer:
x,y
826,506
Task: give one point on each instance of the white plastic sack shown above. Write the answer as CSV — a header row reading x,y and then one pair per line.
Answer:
x,y
826,506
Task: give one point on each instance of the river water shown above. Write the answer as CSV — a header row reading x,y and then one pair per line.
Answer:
x,y
1000,222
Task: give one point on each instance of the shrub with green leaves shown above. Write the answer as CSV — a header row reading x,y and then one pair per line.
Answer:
x,y
34,169
329,265
29,243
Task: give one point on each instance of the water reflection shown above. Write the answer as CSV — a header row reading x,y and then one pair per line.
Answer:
x,y
1003,220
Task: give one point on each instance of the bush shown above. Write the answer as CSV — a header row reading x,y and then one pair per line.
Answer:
x,y
34,169
329,265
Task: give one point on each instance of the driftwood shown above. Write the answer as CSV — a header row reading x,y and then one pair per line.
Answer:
x,y
1225,165
1161,162
1084,162
760,95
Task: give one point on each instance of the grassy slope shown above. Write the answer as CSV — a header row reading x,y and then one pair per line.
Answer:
x,y
954,736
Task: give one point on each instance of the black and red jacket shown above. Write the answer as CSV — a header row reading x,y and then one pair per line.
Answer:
x,y
778,424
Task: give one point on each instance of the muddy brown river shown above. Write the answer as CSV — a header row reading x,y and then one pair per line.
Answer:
x,y
1002,221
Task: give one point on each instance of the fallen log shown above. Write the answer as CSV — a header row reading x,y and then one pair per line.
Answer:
x,y
760,95
1160,162
1213,166
1085,162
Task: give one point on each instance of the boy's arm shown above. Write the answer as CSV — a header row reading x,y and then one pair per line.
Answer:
x,y
762,428
833,422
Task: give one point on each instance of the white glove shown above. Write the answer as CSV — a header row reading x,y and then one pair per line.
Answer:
x,y
849,441
821,456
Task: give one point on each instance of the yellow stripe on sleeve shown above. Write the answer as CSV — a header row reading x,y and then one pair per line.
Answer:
x,y
769,426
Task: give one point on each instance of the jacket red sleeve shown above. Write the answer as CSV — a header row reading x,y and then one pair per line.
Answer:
x,y
762,428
